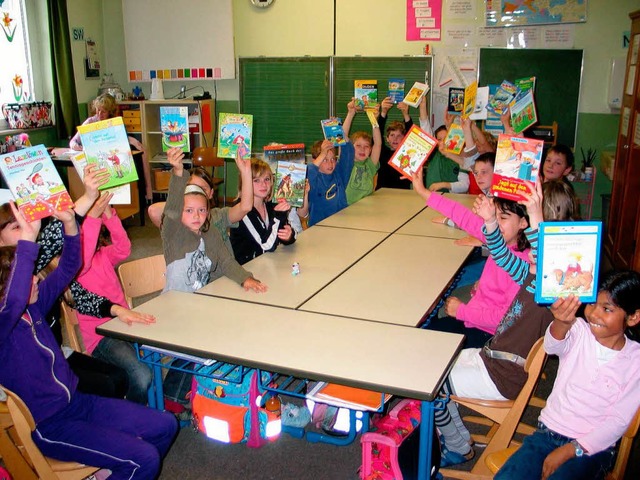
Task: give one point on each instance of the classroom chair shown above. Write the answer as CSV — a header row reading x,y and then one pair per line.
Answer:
x,y
142,277
495,461
34,464
504,415
69,325
207,157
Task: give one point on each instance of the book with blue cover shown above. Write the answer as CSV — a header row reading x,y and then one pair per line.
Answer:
x,y
174,124
396,89
503,97
568,260
333,131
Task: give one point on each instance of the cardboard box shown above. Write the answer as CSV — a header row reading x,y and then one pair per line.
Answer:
x,y
161,179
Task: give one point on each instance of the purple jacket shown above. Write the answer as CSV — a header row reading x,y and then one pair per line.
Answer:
x,y
31,362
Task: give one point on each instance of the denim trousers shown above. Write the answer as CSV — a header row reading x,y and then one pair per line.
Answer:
x,y
526,462
123,355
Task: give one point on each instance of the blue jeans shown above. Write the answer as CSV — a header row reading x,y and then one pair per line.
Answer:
x,y
526,462
123,355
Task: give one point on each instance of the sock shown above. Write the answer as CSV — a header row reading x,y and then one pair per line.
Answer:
x,y
454,441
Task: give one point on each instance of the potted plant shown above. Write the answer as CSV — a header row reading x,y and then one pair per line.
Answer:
x,y
587,163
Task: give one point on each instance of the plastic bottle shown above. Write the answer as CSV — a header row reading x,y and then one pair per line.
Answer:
x,y
273,404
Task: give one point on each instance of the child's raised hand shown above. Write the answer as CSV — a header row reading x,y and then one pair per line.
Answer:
x,y
465,123
484,208
564,309
418,185
130,317
175,155
448,117
307,186
404,108
282,205
100,205
533,202
243,164
28,230
93,179
254,284
326,146
351,106
385,106
68,219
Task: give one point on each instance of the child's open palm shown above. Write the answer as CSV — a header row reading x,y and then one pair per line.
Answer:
x,y
533,202
484,208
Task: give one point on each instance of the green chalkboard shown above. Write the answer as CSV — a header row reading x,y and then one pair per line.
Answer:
x,y
558,74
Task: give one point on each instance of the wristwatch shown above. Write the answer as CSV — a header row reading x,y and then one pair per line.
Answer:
x,y
578,447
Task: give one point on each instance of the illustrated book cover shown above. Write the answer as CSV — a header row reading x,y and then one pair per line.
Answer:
x,y
500,101
524,85
493,122
413,151
289,169
234,134
456,100
568,260
34,182
523,113
517,161
332,131
480,108
454,141
105,143
415,95
469,101
365,93
174,124
121,194
396,89
348,397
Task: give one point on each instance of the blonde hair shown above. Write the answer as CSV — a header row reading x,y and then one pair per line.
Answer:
x,y
364,135
106,103
258,168
559,201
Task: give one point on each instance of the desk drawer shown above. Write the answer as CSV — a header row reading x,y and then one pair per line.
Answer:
x,y
131,114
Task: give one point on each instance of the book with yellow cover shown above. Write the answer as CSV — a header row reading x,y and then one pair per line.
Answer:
x,y
469,104
413,151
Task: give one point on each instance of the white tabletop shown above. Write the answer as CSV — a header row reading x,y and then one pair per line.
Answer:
x,y
398,282
323,254
423,225
385,210
321,347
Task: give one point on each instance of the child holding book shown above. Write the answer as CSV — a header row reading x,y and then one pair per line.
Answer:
x,y
367,159
495,290
265,226
388,177
194,252
128,439
596,391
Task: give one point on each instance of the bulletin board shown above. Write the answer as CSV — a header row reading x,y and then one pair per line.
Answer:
x,y
186,40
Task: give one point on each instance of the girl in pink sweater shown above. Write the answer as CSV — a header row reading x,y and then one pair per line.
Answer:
x,y
495,290
98,275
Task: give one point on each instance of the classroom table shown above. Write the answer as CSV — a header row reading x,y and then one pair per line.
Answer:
x,y
323,254
360,353
384,211
398,282
423,225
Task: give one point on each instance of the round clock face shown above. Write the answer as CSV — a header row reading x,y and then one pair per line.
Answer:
x,y
261,3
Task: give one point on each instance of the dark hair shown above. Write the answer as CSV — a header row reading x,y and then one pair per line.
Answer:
x,y
563,150
316,149
510,206
560,202
439,129
623,287
6,215
7,254
488,157
200,172
395,126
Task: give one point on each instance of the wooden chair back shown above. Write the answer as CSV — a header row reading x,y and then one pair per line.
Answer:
x,y
142,277
505,414
69,324
208,157
20,435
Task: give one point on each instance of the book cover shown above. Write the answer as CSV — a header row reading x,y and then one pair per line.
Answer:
x,y
106,144
418,90
524,85
469,100
568,260
365,93
500,101
517,160
348,397
396,89
121,194
174,124
480,109
287,163
413,151
493,122
523,113
454,141
34,182
332,131
234,134
456,100
373,118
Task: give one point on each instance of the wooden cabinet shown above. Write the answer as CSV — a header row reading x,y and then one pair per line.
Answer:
x,y
622,240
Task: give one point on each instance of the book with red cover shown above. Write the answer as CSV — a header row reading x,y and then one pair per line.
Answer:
x,y
413,151
517,161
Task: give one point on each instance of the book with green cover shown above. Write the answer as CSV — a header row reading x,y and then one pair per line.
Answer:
x,y
106,144
523,113
234,134
454,141
365,93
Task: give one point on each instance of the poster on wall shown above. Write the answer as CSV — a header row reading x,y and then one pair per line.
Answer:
x,y
424,20
501,13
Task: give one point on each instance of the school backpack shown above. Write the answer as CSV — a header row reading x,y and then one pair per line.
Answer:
x,y
230,410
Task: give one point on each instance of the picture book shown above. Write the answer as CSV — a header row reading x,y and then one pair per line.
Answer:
x,y
348,397
568,260
517,161
332,130
174,124
500,101
106,144
413,151
289,169
480,108
454,141
34,182
418,90
396,89
524,85
456,100
121,194
469,101
365,93
493,122
373,118
523,113
234,135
